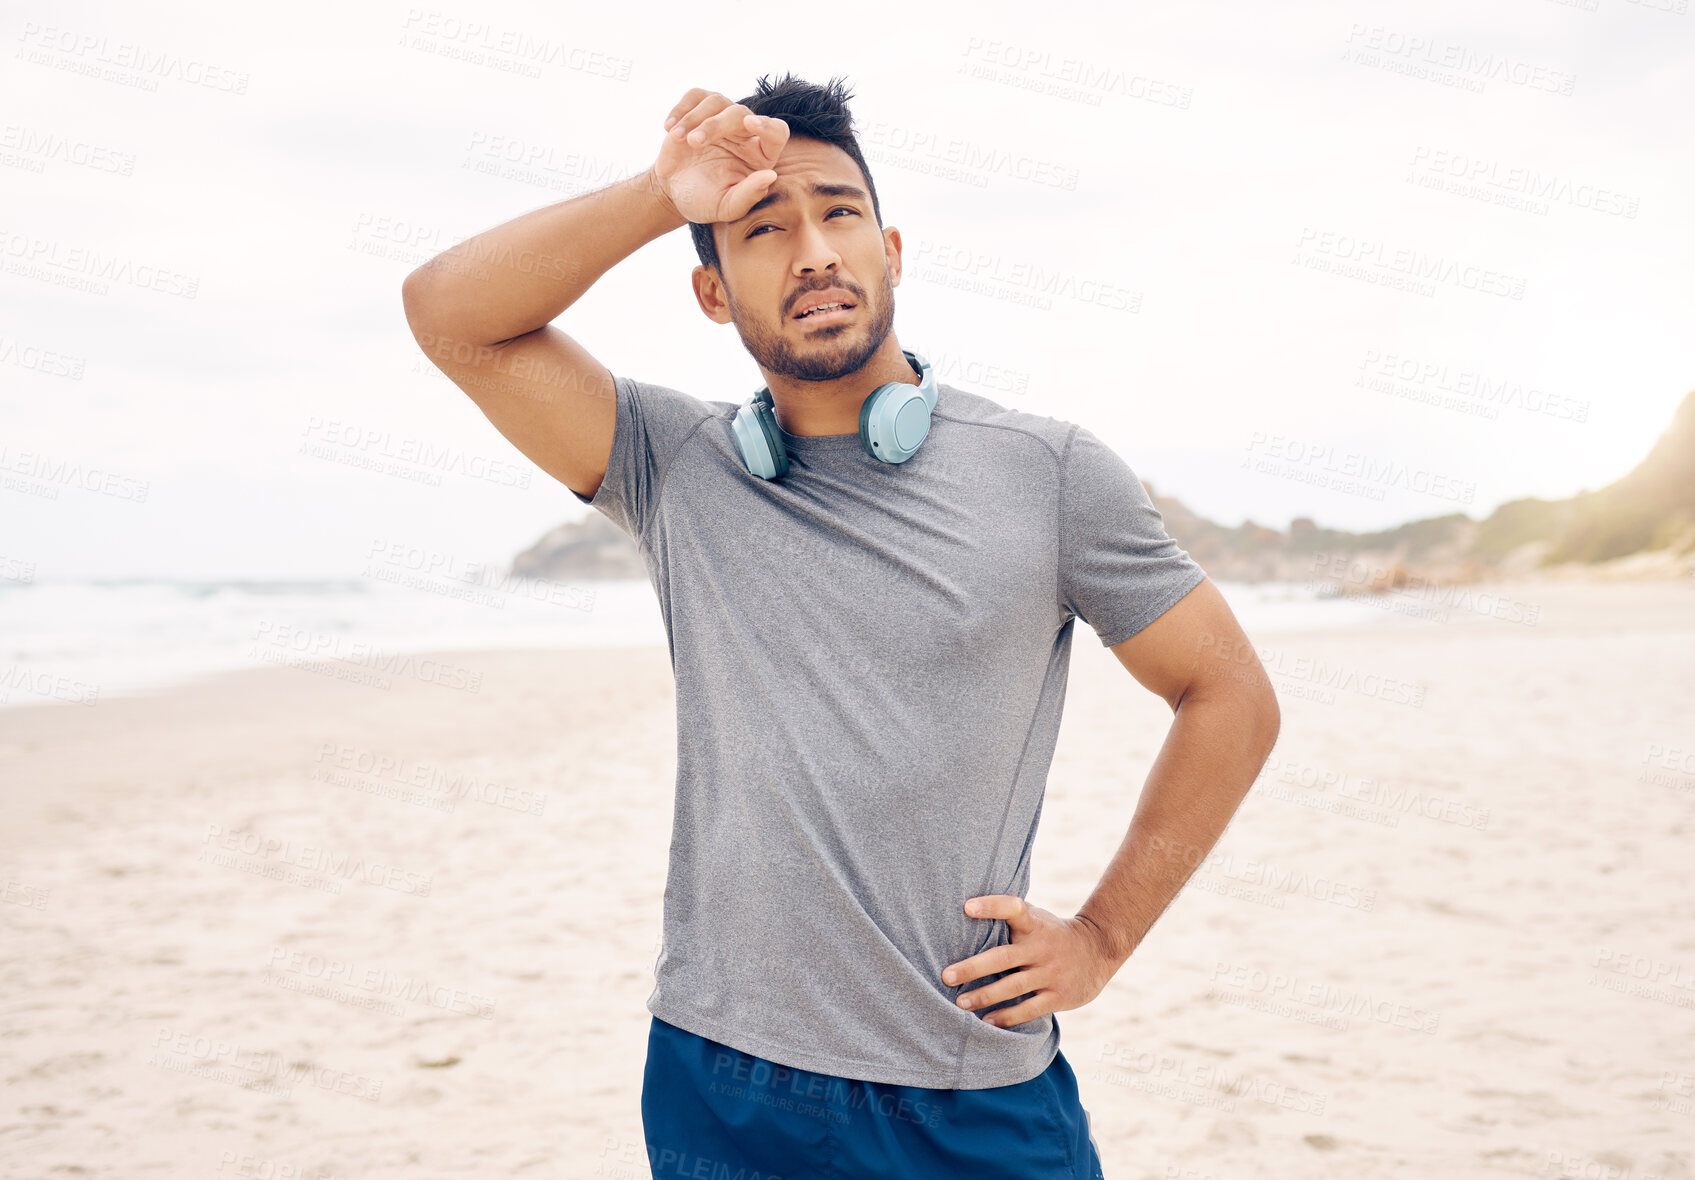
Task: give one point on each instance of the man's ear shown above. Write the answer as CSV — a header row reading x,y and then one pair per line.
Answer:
x,y
891,252
709,293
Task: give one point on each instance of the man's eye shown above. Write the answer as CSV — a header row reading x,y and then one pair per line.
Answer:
x,y
754,232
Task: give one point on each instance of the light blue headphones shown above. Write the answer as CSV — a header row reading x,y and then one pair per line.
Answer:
x,y
892,422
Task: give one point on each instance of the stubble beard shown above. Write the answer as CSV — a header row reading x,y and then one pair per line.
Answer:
x,y
829,354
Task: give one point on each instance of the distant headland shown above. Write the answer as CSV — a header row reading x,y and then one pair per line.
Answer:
x,y
1641,525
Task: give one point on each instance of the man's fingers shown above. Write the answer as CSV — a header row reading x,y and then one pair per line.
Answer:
x,y
684,105
703,110
732,120
997,958
773,136
1005,988
1018,1013
740,198
1008,907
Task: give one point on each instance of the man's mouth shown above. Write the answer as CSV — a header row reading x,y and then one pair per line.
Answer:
x,y
826,313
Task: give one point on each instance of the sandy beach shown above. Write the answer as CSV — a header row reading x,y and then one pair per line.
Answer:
x,y
299,922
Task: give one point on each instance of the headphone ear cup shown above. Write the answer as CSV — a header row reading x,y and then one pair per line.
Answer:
x,y
776,457
752,441
866,409
893,422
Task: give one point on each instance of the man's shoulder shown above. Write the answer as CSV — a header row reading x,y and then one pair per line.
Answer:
x,y
657,398
977,410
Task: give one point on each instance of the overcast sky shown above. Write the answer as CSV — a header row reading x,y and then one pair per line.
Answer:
x,y
1359,262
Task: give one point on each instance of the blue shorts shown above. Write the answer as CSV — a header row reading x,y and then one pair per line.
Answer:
x,y
714,1112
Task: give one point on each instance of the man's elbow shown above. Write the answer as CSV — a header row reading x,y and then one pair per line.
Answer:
x,y
1253,706
414,298
1268,717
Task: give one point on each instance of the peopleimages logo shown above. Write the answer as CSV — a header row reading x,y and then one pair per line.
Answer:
x,y
1311,461
1266,876
1454,387
355,660
251,1068
89,268
1280,989
57,471
1448,63
373,447
86,53
334,974
1369,256
313,858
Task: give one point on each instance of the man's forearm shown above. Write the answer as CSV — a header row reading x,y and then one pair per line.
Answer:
x,y
520,275
1214,750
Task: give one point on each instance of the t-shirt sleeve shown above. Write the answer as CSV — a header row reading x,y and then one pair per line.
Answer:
x,y
1119,569
653,422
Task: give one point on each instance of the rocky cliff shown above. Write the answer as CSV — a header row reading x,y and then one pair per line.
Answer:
x,y
592,547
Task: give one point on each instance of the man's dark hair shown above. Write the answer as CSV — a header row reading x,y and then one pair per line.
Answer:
x,y
812,112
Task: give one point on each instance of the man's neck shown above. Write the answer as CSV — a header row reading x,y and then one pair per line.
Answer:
x,y
832,407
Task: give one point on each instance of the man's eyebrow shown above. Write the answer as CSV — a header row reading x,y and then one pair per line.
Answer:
x,y
818,190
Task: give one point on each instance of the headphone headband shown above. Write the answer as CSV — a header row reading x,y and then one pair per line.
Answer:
x,y
893,421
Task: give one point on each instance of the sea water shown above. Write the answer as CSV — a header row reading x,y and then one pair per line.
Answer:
x,y
77,642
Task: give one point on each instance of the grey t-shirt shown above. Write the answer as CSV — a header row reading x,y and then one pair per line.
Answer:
x,y
870,664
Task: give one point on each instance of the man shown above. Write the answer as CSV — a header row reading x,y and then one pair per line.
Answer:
x,y
870,638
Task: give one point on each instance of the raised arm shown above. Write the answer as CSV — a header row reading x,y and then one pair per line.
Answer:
x,y
482,310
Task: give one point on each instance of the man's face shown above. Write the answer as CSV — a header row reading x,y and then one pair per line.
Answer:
x,y
803,243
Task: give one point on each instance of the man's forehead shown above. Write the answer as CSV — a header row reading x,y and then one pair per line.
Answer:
x,y
802,150
804,165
